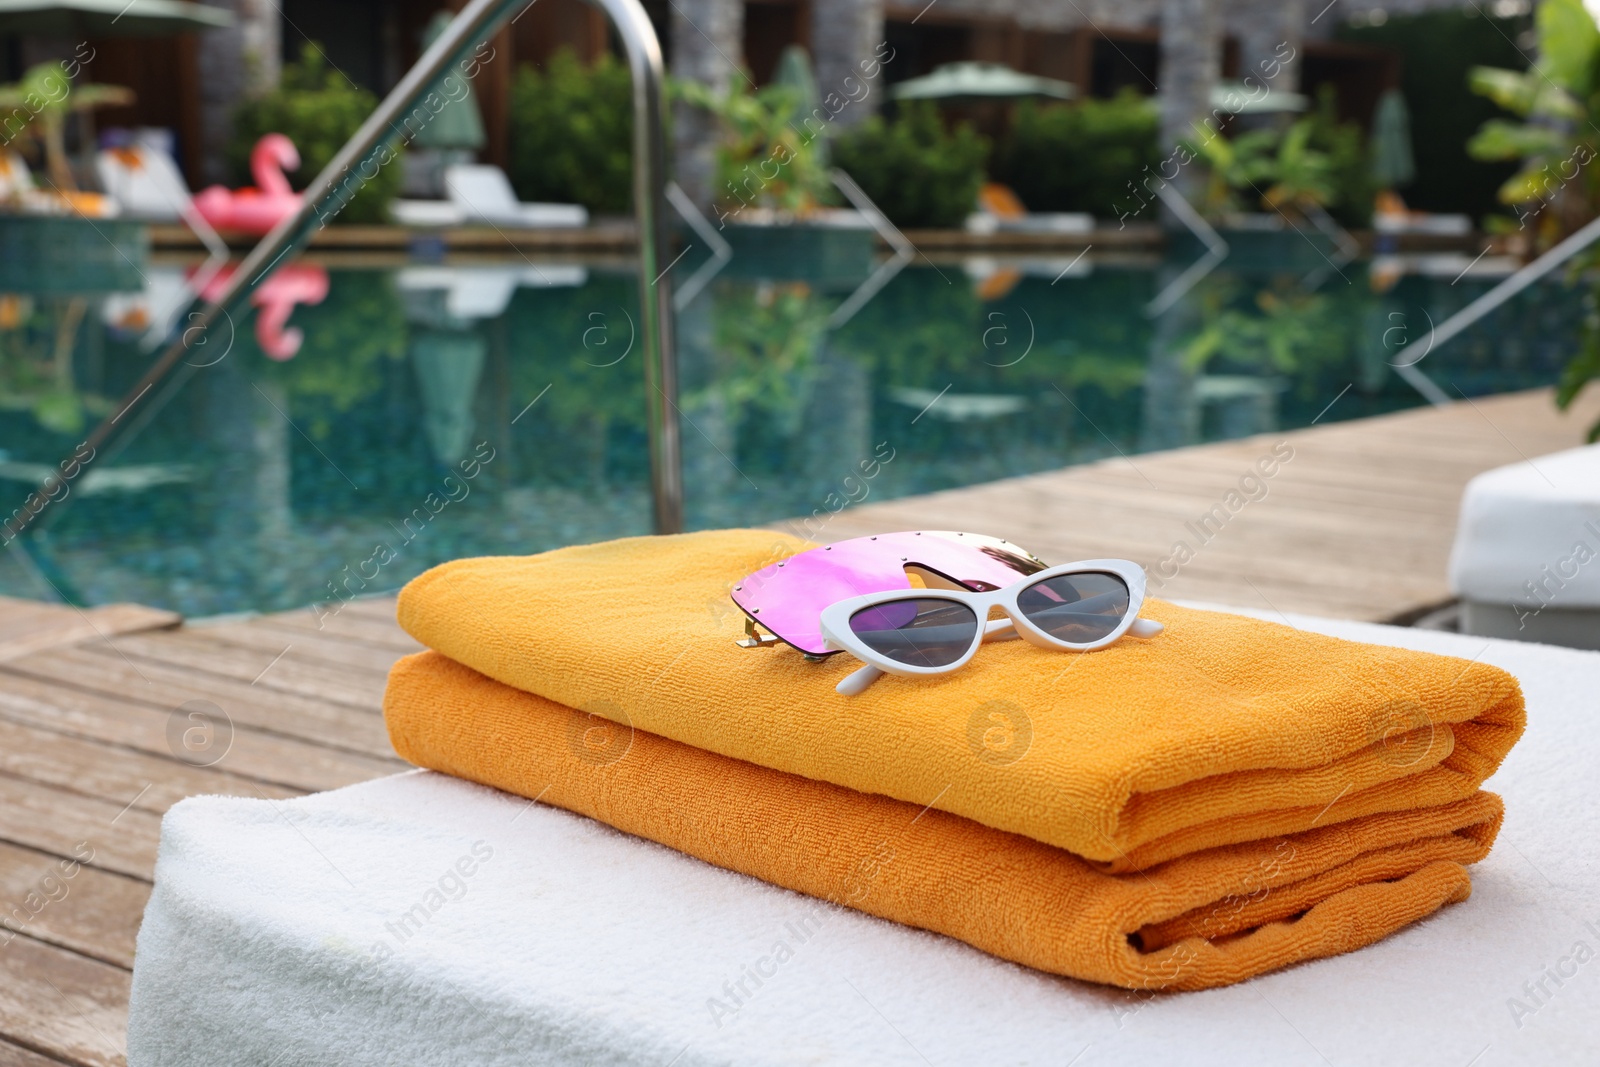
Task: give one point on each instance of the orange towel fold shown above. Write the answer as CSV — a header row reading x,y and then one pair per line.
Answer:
x,y
1205,919
1221,730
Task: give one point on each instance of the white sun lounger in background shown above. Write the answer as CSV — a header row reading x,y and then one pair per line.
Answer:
x,y
1423,224
1526,560
15,179
144,181
481,194
999,211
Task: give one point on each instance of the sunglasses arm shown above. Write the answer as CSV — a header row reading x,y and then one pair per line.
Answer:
x,y
856,682
1145,628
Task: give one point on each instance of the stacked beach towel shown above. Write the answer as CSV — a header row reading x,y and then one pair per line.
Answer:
x,y
1182,813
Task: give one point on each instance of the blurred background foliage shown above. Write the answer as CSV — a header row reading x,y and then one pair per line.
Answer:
x,y
571,126
921,173
1553,139
319,110
764,159
1080,156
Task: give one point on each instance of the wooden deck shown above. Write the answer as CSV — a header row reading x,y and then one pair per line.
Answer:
x,y
92,704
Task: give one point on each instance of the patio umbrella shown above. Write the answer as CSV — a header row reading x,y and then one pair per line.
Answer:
x,y
794,73
457,126
1392,162
82,19
980,81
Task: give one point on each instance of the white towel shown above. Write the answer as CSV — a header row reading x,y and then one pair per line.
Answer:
x,y
422,920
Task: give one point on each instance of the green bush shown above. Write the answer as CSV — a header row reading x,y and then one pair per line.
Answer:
x,y
571,130
1080,157
319,110
918,173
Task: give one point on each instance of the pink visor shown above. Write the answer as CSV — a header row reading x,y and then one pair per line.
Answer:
x,y
788,598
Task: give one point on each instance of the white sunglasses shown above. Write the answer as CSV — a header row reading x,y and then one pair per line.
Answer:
x,y
1076,607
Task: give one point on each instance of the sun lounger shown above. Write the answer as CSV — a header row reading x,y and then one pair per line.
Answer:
x,y
1526,561
144,182
482,195
999,211
1423,224
420,919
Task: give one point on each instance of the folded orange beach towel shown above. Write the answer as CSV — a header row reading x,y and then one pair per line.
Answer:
x,y
1202,920
1221,730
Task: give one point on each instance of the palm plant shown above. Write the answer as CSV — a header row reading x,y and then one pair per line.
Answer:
x,y
46,93
1281,168
1231,166
1300,177
1556,100
762,158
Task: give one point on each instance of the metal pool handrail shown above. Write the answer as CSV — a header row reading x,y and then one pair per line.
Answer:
x,y
364,152
1489,301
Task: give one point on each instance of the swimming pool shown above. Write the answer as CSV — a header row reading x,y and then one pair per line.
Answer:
x,y
433,411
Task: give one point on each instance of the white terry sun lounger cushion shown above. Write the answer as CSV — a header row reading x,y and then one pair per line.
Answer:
x,y
1526,559
421,920
484,193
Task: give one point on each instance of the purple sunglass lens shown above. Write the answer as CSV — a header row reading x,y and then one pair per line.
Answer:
x,y
921,632
892,616
788,598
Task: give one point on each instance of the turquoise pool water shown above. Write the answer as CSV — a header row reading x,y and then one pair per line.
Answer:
x,y
263,483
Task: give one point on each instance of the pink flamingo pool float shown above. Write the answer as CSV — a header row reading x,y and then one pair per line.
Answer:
x,y
275,300
255,211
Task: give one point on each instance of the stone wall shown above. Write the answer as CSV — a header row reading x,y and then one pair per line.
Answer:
x,y
234,63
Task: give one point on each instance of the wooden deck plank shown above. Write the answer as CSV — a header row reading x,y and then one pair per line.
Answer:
x,y
264,757
164,686
378,608
345,626
100,770
64,1004
101,833
258,755
17,1056
278,672
61,902
350,655
27,626
86,766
